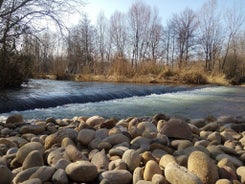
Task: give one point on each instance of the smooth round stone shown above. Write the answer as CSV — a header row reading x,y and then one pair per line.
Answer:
x,y
234,160
223,181
24,175
116,139
15,118
177,128
100,160
181,144
203,143
144,182
61,164
3,149
110,123
101,133
66,142
176,174
182,160
35,129
44,173
85,136
187,151
146,156
226,136
241,173
159,179
116,152
194,129
32,181
58,136
151,168
33,159
55,155
132,159
212,126
140,141
214,138
8,143
227,172
5,131
6,175
226,162
230,144
37,139
60,177
104,145
227,150
117,176
82,171
118,164
74,154
166,159
214,151
138,174
27,148
95,121
147,129
202,165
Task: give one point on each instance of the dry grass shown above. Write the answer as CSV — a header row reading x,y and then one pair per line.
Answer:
x,y
219,79
121,70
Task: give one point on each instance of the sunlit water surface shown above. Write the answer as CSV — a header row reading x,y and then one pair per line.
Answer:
x,y
121,100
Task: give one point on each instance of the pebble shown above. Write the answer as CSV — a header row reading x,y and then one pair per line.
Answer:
x,y
117,177
151,168
6,175
166,159
202,166
60,177
176,174
176,128
85,136
241,172
151,150
27,148
132,159
81,171
33,159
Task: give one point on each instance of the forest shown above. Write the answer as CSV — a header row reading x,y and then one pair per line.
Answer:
x,y
195,47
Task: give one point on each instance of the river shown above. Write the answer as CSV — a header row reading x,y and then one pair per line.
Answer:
x,y
40,99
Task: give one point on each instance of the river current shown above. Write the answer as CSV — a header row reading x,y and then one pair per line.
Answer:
x,y
40,99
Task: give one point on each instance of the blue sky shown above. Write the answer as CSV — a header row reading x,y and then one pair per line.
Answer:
x,y
166,7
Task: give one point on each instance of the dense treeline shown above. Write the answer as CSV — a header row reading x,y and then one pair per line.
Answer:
x,y
136,43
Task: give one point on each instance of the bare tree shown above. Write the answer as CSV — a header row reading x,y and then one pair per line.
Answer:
x,y
155,37
80,47
184,28
118,33
20,17
102,30
210,33
139,21
234,19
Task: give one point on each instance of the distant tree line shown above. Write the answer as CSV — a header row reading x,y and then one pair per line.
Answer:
x,y
125,41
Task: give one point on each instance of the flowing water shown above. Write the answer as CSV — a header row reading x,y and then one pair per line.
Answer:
x,y
65,99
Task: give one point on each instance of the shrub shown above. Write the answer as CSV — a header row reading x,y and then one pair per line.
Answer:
x,y
15,69
193,78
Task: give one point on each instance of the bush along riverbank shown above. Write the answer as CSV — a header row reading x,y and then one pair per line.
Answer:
x,y
158,149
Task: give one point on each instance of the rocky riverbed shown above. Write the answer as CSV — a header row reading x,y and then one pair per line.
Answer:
x,y
159,150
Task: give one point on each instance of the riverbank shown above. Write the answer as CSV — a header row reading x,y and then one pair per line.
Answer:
x,y
191,78
158,149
